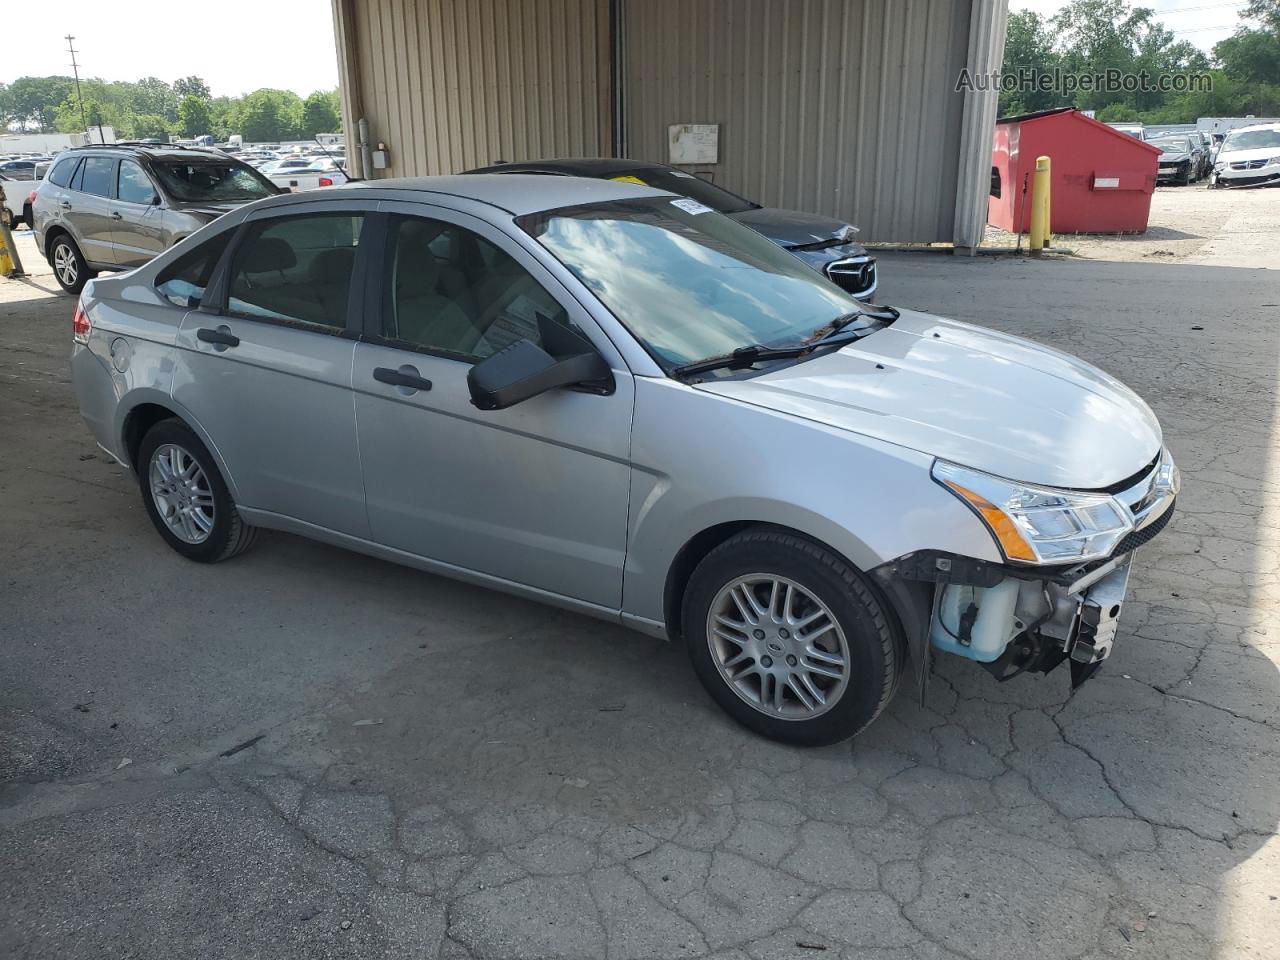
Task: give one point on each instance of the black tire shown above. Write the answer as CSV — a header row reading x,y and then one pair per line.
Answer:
x,y
62,242
871,633
229,535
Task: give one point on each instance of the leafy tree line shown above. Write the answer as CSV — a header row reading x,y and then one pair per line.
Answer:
x,y
1089,36
152,108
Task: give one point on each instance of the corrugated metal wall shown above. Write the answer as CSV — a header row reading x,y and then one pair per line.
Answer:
x,y
842,107
454,84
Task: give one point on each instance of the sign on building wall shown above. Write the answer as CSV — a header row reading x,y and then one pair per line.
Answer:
x,y
693,143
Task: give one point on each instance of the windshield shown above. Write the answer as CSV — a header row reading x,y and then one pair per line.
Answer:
x,y
204,181
1172,144
1252,140
677,181
688,283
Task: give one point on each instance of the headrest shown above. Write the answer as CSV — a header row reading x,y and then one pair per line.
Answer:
x,y
267,253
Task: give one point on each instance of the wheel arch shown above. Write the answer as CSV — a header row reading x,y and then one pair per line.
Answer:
x,y
146,408
904,604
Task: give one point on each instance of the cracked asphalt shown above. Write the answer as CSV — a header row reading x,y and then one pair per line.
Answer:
x,y
330,756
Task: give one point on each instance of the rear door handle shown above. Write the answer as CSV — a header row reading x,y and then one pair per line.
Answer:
x,y
115,215
401,378
66,204
222,336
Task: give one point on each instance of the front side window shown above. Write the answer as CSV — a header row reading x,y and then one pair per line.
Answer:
x,y
296,268
196,181
97,175
183,282
688,283
134,186
453,291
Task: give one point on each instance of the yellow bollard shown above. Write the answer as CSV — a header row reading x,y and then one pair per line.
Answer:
x,y
1040,206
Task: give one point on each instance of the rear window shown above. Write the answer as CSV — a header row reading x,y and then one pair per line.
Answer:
x,y
62,171
197,181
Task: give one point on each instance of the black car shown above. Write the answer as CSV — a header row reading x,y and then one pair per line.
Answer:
x,y
825,244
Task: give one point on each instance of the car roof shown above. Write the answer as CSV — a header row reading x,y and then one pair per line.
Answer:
x,y
1256,126
157,151
574,166
516,193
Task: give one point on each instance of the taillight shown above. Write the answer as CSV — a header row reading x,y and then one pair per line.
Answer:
x,y
326,182
80,324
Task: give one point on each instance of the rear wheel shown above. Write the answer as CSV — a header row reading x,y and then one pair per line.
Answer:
x,y
789,639
69,267
186,498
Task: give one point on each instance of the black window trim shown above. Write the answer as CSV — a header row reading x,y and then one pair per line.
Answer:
x,y
217,293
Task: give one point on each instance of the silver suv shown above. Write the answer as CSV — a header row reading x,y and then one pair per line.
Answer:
x,y
115,206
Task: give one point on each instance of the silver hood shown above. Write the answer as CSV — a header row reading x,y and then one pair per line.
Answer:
x,y
983,399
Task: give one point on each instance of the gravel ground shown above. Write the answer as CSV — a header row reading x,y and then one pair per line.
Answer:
x,y
1184,224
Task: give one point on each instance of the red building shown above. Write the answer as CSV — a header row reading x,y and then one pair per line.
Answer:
x,y
1102,179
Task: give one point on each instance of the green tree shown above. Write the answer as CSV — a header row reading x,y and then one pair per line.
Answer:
x,y
193,117
147,125
320,114
270,115
155,97
33,101
192,86
1028,46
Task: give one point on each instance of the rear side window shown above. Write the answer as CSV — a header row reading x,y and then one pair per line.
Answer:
x,y
62,171
296,269
96,175
183,282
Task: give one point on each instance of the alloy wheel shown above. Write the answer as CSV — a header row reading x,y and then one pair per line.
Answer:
x,y
778,646
64,264
181,493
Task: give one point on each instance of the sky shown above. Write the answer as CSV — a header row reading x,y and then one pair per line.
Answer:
x,y
235,45
1202,22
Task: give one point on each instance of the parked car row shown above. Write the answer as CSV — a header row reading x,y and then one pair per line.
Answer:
x,y
614,398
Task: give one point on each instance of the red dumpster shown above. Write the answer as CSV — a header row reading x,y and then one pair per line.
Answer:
x,y
1102,179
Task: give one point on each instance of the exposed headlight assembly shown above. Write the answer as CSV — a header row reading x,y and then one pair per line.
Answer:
x,y
1039,525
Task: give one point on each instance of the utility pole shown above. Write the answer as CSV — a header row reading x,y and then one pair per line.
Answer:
x,y
75,68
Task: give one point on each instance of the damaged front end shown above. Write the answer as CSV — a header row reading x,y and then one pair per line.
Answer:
x,y
1017,617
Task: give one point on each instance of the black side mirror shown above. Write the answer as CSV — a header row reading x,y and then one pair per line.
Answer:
x,y
524,370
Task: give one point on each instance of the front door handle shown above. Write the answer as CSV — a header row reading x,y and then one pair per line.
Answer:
x,y
406,377
222,336
115,215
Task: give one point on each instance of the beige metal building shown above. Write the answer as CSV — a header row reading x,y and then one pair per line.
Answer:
x,y
842,107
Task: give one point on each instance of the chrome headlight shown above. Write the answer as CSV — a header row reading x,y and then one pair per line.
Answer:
x,y
1040,525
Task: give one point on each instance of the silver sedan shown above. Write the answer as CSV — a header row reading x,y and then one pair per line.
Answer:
x,y
610,398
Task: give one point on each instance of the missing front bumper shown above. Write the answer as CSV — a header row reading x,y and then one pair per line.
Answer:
x,y
1015,625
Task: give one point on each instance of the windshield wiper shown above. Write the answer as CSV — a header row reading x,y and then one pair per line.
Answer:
x,y
822,335
742,357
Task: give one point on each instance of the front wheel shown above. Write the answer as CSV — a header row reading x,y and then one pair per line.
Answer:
x,y
186,498
789,639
